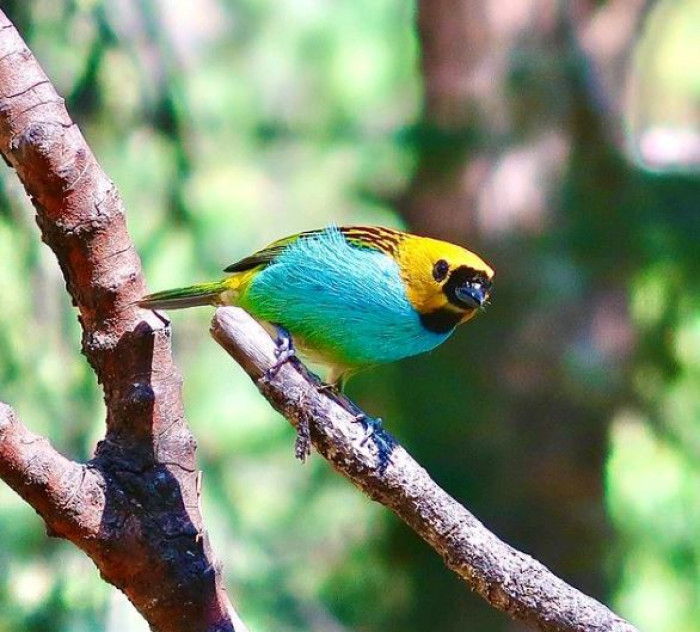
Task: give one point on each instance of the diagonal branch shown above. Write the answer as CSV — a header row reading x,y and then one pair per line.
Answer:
x,y
134,509
508,579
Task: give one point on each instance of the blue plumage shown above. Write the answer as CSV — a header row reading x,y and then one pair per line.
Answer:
x,y
346,302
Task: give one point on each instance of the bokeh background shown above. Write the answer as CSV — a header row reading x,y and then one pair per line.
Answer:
x,y
561,140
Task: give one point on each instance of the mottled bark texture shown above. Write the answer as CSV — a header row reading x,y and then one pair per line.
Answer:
x,y
134,508
508,579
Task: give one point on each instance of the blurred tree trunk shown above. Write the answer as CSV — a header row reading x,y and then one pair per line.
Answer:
x,y
455,41
513,165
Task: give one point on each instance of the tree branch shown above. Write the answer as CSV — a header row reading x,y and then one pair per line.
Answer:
x,y
508,579
69,496
134,508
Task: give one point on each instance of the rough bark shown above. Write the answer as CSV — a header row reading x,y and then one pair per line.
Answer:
x,y
134,508
508,579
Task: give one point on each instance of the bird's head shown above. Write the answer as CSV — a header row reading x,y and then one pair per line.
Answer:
x,y
446,284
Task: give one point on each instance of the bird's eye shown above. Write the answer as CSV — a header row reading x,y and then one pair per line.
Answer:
x,y
440,270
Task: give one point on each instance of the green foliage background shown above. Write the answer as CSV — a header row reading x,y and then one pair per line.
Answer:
x,y
228,124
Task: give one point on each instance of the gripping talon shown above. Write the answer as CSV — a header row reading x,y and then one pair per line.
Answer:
x,y
284,352
383,441
371,426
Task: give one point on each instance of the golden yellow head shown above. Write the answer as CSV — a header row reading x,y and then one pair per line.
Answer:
x,y
445,283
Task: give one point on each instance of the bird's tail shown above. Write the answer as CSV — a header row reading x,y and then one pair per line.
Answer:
x,y
192,296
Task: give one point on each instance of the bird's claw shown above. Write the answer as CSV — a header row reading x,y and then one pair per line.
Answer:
x,y
284,353
371,425
383,441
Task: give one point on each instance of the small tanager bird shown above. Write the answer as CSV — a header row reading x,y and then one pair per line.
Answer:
x,y
350,297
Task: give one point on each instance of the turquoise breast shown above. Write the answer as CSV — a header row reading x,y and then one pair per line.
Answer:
x,y
347,303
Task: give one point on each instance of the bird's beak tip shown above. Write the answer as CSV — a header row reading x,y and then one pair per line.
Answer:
x,y
473,297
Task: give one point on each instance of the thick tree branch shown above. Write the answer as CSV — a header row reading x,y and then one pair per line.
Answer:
x,y
69,496
135,507
508,579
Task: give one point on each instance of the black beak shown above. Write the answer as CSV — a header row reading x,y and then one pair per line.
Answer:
x,y
472,295
467,289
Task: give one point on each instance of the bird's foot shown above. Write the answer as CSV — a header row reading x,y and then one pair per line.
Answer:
x,y
371,424
374,432
284,353
382,440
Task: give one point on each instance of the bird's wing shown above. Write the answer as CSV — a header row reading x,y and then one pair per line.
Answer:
x,y
385,240
264,256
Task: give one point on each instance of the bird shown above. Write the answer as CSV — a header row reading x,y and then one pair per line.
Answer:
x,y
350,297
